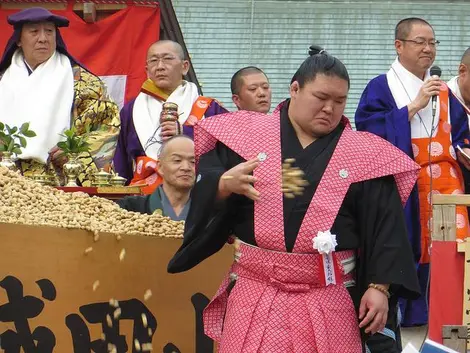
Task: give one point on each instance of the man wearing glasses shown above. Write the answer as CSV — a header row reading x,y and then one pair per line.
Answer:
x,y
142,134
398,107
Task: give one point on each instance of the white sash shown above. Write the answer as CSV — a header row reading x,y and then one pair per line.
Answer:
x,y
405,87
43,98
146,115
454,87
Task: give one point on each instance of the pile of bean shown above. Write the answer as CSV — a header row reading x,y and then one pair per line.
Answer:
x,y
24,201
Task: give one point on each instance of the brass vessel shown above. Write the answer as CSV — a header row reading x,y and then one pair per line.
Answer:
x,y
7,162
117,180
72,170
101,178
169,112
42,179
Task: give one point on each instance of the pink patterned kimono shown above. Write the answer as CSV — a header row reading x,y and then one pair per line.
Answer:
x,y
280,300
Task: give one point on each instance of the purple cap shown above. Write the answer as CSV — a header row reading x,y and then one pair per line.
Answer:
x,y
36,14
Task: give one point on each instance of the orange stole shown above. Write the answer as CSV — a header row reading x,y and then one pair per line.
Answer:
x,y
145,171
149,87
446,175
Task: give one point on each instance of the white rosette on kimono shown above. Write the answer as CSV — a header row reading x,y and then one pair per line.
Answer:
x,y
325,243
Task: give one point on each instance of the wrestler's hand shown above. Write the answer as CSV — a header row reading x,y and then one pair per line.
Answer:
x,y
430,88
373,311
57,157
169,129
239,181
463,159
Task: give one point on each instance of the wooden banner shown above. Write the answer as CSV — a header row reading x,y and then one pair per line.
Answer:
x,y
48,303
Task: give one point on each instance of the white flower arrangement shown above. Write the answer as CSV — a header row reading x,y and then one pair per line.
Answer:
x,y
325,242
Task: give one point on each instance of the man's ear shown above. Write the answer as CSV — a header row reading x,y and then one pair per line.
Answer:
x,y
398,46
236,100
159,167
185,67
463,69
294,89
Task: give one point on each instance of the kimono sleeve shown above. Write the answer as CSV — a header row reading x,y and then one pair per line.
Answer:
x,y
385,256
208,224
94,109
377,113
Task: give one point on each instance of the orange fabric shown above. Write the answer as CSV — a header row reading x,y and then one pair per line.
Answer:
x,y
198,110
146,174
149,87
446,175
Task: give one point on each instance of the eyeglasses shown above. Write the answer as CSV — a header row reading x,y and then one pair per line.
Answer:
x,y
165,60
421,42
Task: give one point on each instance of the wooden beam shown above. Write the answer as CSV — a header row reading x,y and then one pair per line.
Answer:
x,y
443,222
89,12
459,200
461,247
62,6
26,5
101,7
455,337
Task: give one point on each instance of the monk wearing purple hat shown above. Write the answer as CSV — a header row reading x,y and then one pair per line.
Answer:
x,y
43,84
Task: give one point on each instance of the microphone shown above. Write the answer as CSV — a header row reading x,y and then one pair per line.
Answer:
x,y
435,71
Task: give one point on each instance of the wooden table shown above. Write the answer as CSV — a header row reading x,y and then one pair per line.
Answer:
x,y
107,192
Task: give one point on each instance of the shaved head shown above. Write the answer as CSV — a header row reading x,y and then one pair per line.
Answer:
x,y
251,90
403,28
166,65
237,78
464,77
176,48
176,163
466,57
170,142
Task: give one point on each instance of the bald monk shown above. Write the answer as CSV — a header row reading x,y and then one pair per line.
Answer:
x,y
176,165
397,106
460,84
141,134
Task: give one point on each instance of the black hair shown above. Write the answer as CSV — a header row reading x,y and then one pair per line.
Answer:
x,y
320,62
236,81
403,28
